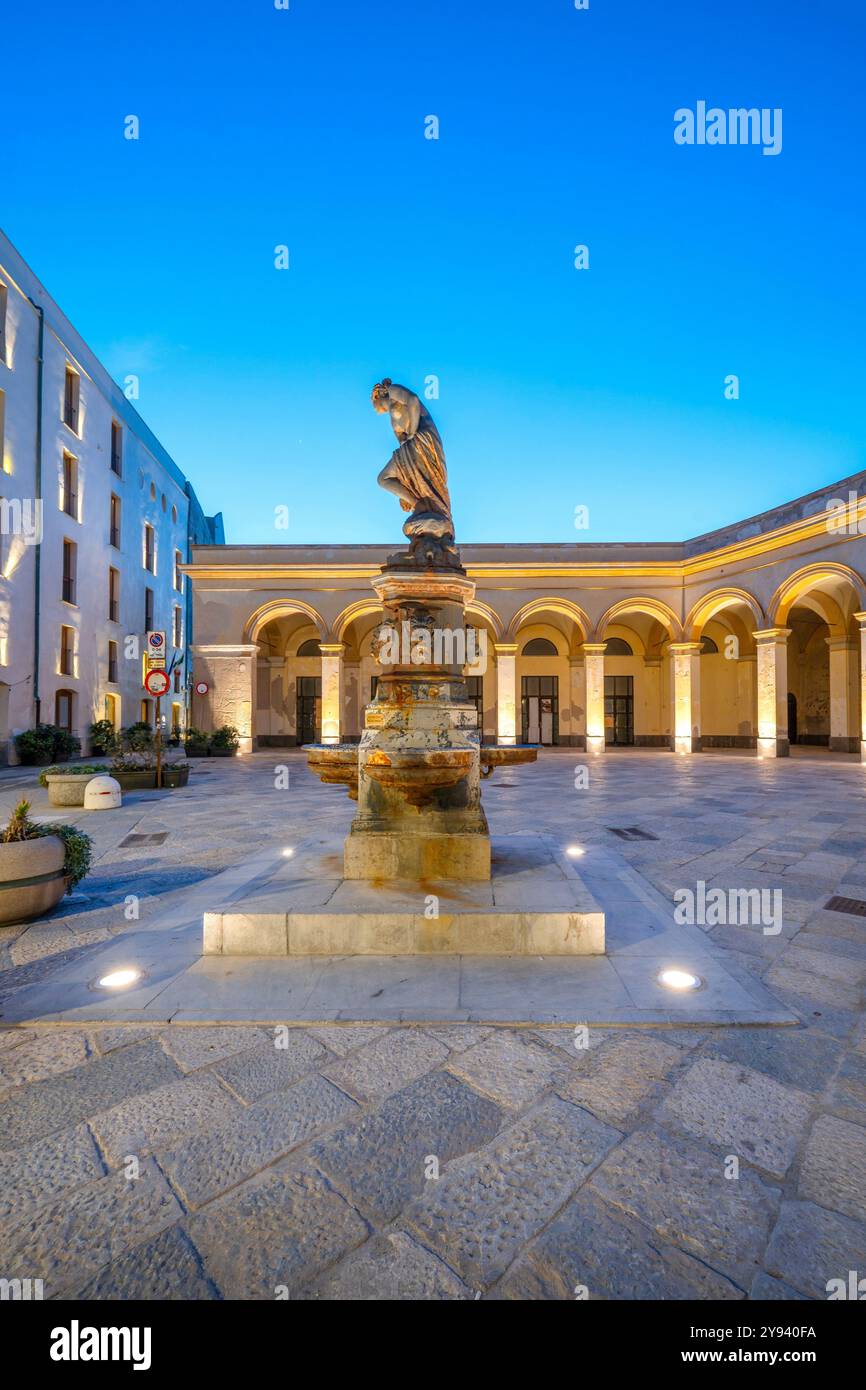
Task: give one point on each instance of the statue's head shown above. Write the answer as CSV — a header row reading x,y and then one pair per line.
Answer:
x,y
380,397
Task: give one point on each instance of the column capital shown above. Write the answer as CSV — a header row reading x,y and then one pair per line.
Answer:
x,y
506,648
594,648
228,649
861,619
685,648
332,648
772,634
841,644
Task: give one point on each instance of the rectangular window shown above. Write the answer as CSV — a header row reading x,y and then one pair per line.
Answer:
x,y
71,399
70,485
112,663
146,713
70,567
149,548
178,577
114,522
148,610
113,595
116,448
67,651
178,627
4,300
3,433
63,710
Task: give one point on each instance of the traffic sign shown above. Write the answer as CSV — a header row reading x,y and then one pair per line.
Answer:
x,y
156,644
157,683
201,687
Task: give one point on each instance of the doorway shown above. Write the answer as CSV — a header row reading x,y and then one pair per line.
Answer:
x,y
792,717
619,711
539,708
309,709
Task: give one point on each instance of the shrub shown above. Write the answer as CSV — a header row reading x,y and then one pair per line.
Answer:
x,y
225,737
138,738
103,738
197,736
36,745
77,847
88,770
66,745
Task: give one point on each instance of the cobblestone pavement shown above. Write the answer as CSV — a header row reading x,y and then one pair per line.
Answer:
x,y
462,1161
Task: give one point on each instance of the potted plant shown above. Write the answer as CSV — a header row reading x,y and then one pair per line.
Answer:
x,y
195,743
38,864
224,742
66,786
36,746
103,738
138,738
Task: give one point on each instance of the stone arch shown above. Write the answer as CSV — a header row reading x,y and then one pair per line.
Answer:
x,y
714,603
652,607
362,608
282,608
810,585
564,607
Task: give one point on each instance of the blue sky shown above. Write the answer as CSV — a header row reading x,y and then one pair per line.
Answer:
x,y
412,257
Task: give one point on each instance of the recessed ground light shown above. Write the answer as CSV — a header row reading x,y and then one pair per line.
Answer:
x,y
287,853
119,979
679,980
575,851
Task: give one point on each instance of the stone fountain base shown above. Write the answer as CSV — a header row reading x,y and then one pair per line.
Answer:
x,y
534,904
387,855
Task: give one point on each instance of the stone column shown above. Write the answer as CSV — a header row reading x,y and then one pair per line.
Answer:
x,y
577,690
652,701
593,653
746,668
231,673
861,619
844,737
332,689
506,692
772,645
686,696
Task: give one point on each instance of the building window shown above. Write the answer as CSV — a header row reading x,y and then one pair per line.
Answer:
x,y
64,702
112,663
70,568
709,647
309,648
176,718
116,448
178,577
3,433
67,651
71,395
618,646
114,522
146,712
178,627
70,485
113,595
112,711
4,299
149,548
148,610
539,646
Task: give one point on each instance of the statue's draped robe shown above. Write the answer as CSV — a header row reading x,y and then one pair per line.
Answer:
x,y
419,463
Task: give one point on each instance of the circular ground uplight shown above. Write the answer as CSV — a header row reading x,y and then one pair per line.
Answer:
x,y
119,979
679,980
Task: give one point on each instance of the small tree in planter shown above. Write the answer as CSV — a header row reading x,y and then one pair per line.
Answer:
x,y
46,744
224,742
195,742
103,738
138,738
38,864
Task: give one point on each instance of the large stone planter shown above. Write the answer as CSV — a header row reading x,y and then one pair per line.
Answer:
x,y
175,776
32,880
142,781
221,752
67,788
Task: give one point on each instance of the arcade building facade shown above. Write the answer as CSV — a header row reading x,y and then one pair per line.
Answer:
x,y
752,637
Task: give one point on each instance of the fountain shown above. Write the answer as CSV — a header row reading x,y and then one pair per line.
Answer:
x,y
419,875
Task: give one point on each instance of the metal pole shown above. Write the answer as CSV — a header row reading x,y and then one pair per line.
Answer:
x,y
158,746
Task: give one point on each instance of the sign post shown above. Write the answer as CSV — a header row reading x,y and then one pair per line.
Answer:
x,y
156,683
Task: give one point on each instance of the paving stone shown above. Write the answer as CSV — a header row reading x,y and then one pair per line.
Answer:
x,y
166,1268
591,1246
486,1205
746,1111
280,1232
39,1173
811,1246
459,1036
345,1039
43,1054
43,1107
143,1123
13,1037
205,1165
387,1064
794,1056
389,1267
834,1167
110,1039
824,964
255,1073
66,1242
380,1162
614,1079
815,990
678,1189
509,1068
194,1047
848,1089
765,1288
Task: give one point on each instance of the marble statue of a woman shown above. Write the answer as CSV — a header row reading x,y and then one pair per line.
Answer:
x,y
416,473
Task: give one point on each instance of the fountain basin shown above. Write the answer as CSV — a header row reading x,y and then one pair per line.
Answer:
x,y
417,774
505,755
335,763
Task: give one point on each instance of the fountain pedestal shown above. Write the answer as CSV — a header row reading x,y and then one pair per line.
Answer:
x,y
419,801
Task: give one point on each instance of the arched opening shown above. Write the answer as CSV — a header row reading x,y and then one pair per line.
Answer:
x,y
724,621
817,605
637,702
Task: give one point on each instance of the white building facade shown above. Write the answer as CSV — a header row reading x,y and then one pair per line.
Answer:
x,y
96,520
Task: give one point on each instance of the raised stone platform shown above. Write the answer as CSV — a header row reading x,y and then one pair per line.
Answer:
x,y
534,904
